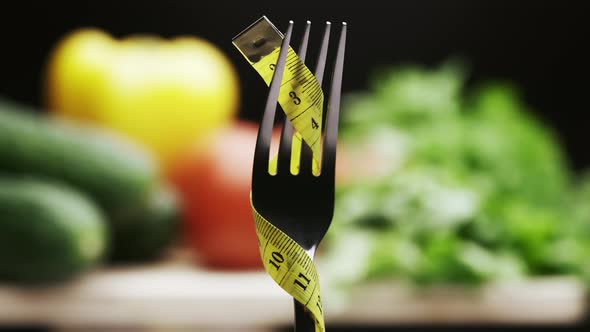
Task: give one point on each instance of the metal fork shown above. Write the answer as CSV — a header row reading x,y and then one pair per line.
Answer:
x,y
301,205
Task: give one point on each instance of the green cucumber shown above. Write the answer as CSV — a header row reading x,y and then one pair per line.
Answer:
x,y
113,171
48,231
145,233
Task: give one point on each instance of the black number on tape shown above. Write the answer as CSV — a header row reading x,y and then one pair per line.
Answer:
x,y
314,124
302,284
272,66
296,99
276,259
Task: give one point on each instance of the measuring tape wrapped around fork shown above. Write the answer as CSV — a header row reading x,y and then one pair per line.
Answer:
x,y
302,99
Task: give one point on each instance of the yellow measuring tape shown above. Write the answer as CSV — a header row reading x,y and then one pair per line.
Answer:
x,y
290,266
302,99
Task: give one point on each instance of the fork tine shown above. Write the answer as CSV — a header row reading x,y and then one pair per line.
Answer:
x,y
321,65
265,131
284,162
305,165
304,41
331,133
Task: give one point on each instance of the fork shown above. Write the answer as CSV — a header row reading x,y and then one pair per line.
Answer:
x,y
302,205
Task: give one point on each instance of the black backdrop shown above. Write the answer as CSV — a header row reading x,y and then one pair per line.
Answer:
x,y
538,45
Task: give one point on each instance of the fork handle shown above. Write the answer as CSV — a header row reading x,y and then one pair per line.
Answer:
x,y
303,321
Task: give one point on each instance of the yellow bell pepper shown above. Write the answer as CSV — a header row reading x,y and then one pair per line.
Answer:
x,y
165,94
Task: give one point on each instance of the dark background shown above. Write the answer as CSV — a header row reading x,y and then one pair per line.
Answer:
x,y
538,45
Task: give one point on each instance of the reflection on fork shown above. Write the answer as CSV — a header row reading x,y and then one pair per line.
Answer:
x,y
302,205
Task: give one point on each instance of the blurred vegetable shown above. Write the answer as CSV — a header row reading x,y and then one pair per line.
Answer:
x,y
215,189
145,232
575,250
113,171
48,231
118,175
164,94
581,201
453,188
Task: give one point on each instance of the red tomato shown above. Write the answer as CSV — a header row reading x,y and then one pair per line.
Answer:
x,y
214,184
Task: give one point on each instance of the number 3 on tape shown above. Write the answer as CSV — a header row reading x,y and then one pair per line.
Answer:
x,y
301,97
